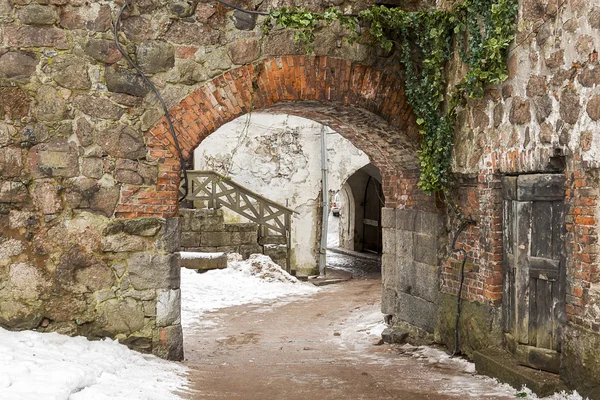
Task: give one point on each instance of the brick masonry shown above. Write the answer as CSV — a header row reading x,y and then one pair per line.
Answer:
x,y
364,105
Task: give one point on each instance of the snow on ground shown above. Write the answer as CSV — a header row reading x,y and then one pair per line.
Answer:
x,y
50,366
255,280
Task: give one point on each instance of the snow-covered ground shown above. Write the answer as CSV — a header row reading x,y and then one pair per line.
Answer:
x,y
255,280
57,367
50,366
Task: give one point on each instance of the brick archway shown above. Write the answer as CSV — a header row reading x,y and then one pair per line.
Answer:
x,y
364,105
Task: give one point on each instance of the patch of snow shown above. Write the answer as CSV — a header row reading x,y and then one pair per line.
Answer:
x,y
189,255
255,280
528,394
470,382
58,367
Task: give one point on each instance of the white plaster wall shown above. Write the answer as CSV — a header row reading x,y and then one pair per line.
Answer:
x,y
279,157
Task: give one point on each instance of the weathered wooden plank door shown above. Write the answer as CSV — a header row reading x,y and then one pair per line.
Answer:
x,y
373,202
534,268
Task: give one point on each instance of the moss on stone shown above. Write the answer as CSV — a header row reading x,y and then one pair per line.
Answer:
x,y
479,326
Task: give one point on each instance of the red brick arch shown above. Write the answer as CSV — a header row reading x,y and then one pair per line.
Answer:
x,y
366,106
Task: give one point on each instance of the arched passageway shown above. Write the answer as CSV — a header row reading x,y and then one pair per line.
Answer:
x,y
365,106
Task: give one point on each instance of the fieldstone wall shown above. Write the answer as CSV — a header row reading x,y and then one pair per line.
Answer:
x,y
81,173
413,246
81,273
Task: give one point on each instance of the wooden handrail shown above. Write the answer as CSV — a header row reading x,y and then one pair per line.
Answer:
x,y
273,218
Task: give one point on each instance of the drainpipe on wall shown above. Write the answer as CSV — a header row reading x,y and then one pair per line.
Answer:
x,y
325,203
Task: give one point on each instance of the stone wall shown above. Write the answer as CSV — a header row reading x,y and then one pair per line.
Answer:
x,y
413,246
544,118
203,230
85,160
81,273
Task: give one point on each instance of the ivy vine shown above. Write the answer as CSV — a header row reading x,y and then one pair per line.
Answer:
x,y
424,41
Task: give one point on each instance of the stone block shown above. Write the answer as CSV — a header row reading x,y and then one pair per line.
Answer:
x,y
98,107
244,51
187,72
18,315
404,245
50,106
147,227
36,36
36,14
425,249
244,21
125,81
122,141
570,106
71,72
406,219
580,362
92,167
203,261
56,158
182,32
90,18
22,219
155,56
388,270
426,282
18,66
103,50
429,223
190,239
388,301
121,316
154,271
247,250
13,192
46,197
168,307
26,281
167,343
6,11
169,239
215,239
388,217
11,162
14,103
124,243
389,240
416,311
10,248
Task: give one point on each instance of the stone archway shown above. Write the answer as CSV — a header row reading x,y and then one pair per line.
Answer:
x,y
364,105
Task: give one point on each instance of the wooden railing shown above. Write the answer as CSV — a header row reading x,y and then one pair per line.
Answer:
x,y
274,219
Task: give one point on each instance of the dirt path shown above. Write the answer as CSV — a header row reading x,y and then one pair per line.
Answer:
x,y
316,348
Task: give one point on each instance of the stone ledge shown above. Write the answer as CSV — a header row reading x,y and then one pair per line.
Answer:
x,y
203,261
498,363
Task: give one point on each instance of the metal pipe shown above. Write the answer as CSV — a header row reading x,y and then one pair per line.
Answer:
x,y
325,203
462,279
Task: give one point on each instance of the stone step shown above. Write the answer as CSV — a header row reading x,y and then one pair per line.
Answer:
x,y
203,261
499,364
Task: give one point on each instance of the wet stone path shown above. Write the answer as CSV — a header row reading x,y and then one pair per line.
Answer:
x,y
323,346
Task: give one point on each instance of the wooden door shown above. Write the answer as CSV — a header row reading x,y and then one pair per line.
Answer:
x,y
373,201
534,268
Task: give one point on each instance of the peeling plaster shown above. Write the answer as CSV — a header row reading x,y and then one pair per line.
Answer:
x,y
279,157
